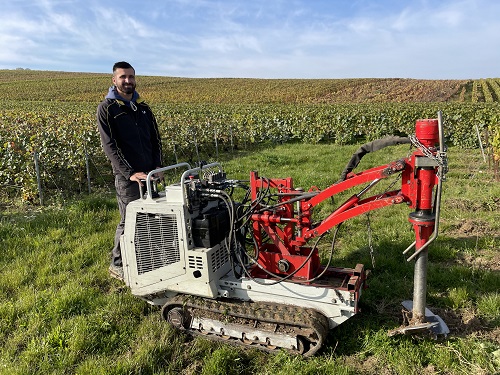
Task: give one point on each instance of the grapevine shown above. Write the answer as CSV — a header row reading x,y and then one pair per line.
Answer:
x,y
229,113
495,86
486,91
475,91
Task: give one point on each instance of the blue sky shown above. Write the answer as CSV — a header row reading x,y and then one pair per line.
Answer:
x,y
441,39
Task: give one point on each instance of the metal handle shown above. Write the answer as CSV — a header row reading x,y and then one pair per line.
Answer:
x,y
162,169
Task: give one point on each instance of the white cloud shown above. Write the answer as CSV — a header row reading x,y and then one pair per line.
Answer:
x,y
259,38
231,44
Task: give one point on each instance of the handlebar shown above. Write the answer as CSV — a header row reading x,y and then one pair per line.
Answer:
x,y
184,176
150,178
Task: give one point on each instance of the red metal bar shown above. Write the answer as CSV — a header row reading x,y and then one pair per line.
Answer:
x,y
369,204
354,180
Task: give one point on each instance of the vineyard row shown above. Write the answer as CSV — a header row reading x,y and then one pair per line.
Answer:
x,y
90,88
62,132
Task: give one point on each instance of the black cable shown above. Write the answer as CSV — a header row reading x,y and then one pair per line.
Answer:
x,y
331,255
291,200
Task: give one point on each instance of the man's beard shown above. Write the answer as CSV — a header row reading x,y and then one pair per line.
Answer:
x,y
127,88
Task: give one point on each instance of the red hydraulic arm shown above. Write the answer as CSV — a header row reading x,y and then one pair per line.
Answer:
x,y
283,227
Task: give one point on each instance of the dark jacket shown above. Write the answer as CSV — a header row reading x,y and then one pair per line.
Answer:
x,y
129,134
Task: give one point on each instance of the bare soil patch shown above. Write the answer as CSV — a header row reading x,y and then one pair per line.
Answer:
x,y
483,259
471,227
465,322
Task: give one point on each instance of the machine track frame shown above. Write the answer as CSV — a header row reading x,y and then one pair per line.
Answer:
x,y
265,326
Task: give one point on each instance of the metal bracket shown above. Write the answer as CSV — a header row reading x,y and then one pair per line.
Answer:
x,y
421,162
433,323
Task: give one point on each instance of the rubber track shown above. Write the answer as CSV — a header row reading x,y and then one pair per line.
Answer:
x,y
304,322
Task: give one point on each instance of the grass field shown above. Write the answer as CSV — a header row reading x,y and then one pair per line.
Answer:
x,y
61,313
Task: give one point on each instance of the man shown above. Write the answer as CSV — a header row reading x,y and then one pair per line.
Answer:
x,y
131,141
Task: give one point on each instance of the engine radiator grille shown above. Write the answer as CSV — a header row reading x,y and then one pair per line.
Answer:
x,y
156,241
220,257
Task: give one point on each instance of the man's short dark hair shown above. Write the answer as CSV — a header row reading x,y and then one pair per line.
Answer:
x,y
122,65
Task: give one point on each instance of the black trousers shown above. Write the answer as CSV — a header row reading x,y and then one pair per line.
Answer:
x,y
126,192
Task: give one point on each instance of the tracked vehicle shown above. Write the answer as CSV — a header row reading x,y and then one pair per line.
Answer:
x,y
248,271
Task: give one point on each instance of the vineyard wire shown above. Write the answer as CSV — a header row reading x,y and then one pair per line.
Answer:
x,y
253,130
98,172
40,169
39,164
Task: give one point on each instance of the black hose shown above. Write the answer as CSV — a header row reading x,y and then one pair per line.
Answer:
x,y
375,145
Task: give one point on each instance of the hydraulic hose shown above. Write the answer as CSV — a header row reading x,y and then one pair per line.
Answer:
x,y
375,145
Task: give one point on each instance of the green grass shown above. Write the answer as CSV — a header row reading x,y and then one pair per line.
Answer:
x,y
61,313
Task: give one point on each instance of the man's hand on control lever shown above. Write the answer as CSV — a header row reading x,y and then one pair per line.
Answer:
x,y
138,176
141,176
